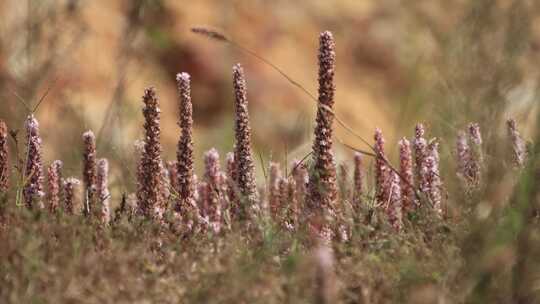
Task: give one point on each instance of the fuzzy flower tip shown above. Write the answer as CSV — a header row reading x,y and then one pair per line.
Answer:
x,y
184,155
70,187
102,190
4,164
54,178
149,191
519,150
89,171
406,171
33,188
322,181
242,154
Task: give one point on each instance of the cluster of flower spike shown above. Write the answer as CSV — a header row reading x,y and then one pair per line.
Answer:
x,y
309,195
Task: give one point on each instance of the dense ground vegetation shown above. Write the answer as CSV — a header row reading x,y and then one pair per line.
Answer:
x,y
449,213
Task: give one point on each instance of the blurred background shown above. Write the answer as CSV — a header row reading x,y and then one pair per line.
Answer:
x,y
444,63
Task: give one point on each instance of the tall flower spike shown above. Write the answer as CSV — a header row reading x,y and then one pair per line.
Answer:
x,y
358,191
406,171
344,186
519,150
274,190
290,204
301,177
477,157
382,185
172,168
149,194
33,187
70,186
463,154
102,190
420,145
394,210
282,207
4,164
213,183
89,171
54,178
184,155
165,185
432,175
225,203
322,180
242,153
232,187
